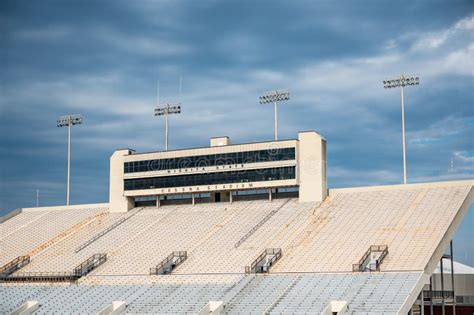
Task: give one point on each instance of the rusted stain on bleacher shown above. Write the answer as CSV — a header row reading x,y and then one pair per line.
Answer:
x,y
73,229
314,223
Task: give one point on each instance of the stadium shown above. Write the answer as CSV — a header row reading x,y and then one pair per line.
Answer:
x,y
360,202
238,229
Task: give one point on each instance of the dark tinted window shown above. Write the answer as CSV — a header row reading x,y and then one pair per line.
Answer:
x,y
269,174
211,160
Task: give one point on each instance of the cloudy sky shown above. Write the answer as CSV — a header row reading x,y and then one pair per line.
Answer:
x,y
103,59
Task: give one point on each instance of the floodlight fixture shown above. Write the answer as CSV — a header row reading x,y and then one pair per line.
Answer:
x,y
402,82
64,121
275,97
68,121
167,110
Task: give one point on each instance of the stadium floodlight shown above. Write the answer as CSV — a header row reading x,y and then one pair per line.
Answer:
x,y
68,121
165,111
402,82
275,97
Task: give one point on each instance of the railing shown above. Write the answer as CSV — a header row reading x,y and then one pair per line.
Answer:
x,y
282,295
258,225
41,277
99,235
169,263
10,215
14,265
362,265
257,267
83,269
105,231
438,295
465,299
90,264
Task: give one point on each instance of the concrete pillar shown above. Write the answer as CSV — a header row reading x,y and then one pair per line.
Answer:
x,y
117,201
443,309
212,308
452,275
29,307
115,308
422,295
311,170
431,296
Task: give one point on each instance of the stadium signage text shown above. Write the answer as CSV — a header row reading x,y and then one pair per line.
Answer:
x,y
197,169
206,188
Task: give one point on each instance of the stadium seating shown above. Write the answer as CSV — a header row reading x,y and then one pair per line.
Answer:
x,y
276,294
319,244
37,233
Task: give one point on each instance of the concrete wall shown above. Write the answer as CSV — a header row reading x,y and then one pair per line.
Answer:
x,y
463,283
62,208
118,202
220,141
312,167
10,215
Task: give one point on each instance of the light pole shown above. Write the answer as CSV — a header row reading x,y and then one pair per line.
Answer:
x,y
165,111
275,97
68,121
401,82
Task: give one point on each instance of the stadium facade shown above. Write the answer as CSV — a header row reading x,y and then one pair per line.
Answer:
x,y
236,229
220,171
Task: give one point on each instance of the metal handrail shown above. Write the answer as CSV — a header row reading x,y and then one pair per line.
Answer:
x,y
438,294
276,254
258,260
14,265
81,270
99,235
181,255
373,248
90,264
258,225
105,231
42,274
40,277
